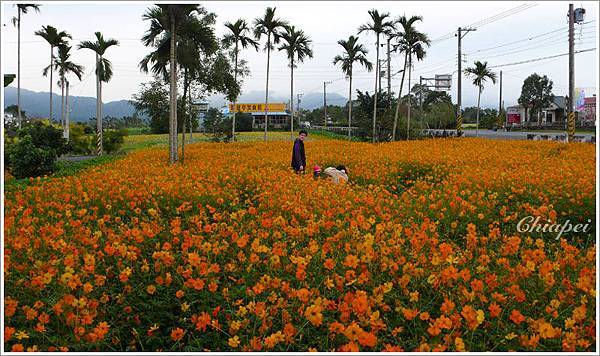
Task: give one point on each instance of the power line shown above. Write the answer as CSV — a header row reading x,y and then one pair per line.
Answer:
x,y
542,58
563,29
487,21
502,15
545,44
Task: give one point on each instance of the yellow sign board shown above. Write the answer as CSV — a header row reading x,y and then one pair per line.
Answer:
x,y
256,107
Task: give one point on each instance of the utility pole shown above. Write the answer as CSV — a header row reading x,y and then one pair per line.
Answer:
x,y
380,61
389,74
459,88
571,97
298,102
421,92
500,104
325,101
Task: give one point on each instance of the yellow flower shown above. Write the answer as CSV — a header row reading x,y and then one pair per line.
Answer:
x,y
185,306
459,344
233,341
19,335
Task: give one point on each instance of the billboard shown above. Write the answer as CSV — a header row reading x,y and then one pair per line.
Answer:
x,y
256,107
579,99
513,115
443,82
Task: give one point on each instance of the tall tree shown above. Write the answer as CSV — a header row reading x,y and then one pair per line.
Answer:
x,y
21,9
353,53
236,37
537,93
103,74
54,39
165,23
297,48
272,27
65,67
196,42
378,25
480,73
410,42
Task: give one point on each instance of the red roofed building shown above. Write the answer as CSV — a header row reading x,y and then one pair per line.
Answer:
x,y
589,108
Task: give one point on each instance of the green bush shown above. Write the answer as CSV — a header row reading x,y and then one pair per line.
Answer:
x,y
46,137
28,160
79,141
113,140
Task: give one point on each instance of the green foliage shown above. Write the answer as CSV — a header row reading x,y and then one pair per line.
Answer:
x,y
217,126
536,93
243,122
46,137
81,142
25,159
440,115
153,101
112,140
338,114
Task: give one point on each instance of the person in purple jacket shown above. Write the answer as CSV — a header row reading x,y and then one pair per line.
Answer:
x,y
298,156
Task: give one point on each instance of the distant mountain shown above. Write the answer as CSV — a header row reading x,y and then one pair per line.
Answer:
x,y
36,104
308,101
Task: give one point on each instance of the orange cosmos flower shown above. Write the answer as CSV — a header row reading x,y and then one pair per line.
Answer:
x,y
177,334
516,317
314,315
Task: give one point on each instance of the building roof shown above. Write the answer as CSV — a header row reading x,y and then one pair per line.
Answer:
x,y
271,113
560,101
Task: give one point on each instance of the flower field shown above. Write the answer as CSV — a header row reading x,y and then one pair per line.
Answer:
x,y
233,252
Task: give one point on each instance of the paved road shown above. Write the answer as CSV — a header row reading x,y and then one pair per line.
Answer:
x,y
518,135
75,158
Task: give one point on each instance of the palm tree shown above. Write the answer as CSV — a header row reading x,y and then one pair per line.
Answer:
x,y
480,73
54,39
65,67
165,23
297,48
378,25
193,37
270,26
103,74
237,37
353,52
21,9
410,42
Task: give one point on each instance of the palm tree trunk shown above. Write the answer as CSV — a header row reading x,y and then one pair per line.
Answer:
x,y
267,87
375,97
190,116
350,107
19,67
399,99
98,108
292,100
409,97
478,102
62,103
235,101
67,128
51,53
185,89
173,109
389,74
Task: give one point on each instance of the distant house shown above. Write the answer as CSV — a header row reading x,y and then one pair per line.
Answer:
x,y
277,119
556,111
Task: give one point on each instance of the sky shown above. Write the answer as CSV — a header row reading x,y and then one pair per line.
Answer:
x,y
506,32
